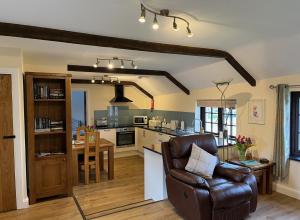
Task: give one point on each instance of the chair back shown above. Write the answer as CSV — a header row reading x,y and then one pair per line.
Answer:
x,y
176,151
91,154
80,133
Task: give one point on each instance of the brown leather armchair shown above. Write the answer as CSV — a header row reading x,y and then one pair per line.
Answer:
x,y
231,194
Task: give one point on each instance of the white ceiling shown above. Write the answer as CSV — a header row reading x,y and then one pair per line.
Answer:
x,y
262,35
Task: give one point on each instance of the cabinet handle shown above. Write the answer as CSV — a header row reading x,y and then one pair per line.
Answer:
x,y
9,137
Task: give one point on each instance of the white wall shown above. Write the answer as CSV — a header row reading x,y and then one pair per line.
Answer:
x,y
98,97
263,134
11,63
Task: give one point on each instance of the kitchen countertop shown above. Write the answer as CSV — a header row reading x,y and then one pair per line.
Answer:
x,y
161,130
178,133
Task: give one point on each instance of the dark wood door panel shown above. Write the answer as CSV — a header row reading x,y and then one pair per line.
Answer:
x,y
7,167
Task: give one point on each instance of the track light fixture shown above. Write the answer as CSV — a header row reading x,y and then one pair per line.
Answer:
x,y
142,19
164,13
175,27
113,61
106,79
155,25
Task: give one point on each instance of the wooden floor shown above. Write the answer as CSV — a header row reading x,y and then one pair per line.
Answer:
x,y
106,201
126,188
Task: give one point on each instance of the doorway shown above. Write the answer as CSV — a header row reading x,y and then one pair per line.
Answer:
x,y
7,168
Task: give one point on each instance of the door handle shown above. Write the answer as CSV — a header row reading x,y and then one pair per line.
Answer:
x,y
9,137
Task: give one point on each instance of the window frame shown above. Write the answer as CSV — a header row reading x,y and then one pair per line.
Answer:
x,y
85,123
294,122
220,120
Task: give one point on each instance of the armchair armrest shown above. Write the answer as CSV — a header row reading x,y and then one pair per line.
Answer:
x,y
189,178
231,171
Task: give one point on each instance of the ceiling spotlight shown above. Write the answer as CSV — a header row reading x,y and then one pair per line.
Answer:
x,y
95,65
155,25
175,28
133,65
122,64
142,18
93,80
110,65
189,32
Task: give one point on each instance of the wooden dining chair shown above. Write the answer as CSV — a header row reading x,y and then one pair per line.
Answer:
x,y
80,133
91,156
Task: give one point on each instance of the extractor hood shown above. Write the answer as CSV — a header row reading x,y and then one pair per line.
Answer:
x,y
119,95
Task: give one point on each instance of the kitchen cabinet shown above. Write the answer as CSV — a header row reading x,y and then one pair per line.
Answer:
x,y
109,134
150,139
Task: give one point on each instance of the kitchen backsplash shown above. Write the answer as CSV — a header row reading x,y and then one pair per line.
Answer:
x,y
122,115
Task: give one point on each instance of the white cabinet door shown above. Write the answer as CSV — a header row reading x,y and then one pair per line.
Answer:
x,y
109,134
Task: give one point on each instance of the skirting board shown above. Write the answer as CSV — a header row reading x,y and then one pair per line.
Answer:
x,y
24,204
283,189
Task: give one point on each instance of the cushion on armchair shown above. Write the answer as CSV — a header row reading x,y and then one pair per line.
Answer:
x,y
189,178
201,162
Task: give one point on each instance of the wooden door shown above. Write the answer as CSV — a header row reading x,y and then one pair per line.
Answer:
x,y
7,168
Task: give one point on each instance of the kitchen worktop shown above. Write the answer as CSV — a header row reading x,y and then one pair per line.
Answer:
x,y
161,130
178,133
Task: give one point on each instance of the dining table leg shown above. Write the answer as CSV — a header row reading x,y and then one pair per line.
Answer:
x,y
110,163
75,167
101,161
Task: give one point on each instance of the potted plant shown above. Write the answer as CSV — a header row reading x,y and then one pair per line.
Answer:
x,y
242,145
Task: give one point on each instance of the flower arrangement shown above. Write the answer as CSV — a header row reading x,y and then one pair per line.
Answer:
x,y
242,145
90,128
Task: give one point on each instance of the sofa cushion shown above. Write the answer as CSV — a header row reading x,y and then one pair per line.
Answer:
x,y
227,194
201,162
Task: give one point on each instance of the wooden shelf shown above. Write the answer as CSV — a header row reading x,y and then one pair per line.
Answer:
x,y
49,133
50,157
49,100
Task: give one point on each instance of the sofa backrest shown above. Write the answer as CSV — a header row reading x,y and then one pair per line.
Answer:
x,y
181,147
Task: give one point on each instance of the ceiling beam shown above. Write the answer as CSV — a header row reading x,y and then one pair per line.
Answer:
x,y
78,68
106,82
49,34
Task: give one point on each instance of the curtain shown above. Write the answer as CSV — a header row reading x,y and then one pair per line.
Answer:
x,y
282,132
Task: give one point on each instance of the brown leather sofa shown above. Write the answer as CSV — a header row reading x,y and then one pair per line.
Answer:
x,y
230,195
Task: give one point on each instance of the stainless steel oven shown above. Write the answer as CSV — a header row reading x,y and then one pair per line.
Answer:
x,y
125,136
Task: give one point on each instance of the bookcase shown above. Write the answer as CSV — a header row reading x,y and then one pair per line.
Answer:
x,y
48,134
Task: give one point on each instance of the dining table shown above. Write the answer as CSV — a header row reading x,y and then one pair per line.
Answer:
x,y
104,146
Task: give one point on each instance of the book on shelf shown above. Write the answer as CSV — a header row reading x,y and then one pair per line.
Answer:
x,y
46,125
44,92
56,125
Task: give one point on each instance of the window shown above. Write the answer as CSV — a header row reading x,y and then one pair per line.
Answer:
x,y
295,124
214,119
78,109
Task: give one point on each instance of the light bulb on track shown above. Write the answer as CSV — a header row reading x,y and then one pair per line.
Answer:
x,y
155,25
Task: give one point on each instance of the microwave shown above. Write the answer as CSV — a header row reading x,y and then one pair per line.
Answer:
x,y
140,120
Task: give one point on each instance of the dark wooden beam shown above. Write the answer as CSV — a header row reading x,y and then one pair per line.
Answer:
x,y
78,68
125,83
41,33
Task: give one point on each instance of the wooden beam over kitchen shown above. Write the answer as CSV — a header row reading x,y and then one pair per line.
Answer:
x,y
106,82
41,33
78,68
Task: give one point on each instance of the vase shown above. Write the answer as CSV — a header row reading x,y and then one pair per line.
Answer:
x,y
242,155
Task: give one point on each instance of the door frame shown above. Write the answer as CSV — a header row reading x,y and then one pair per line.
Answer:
x,y
19,131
